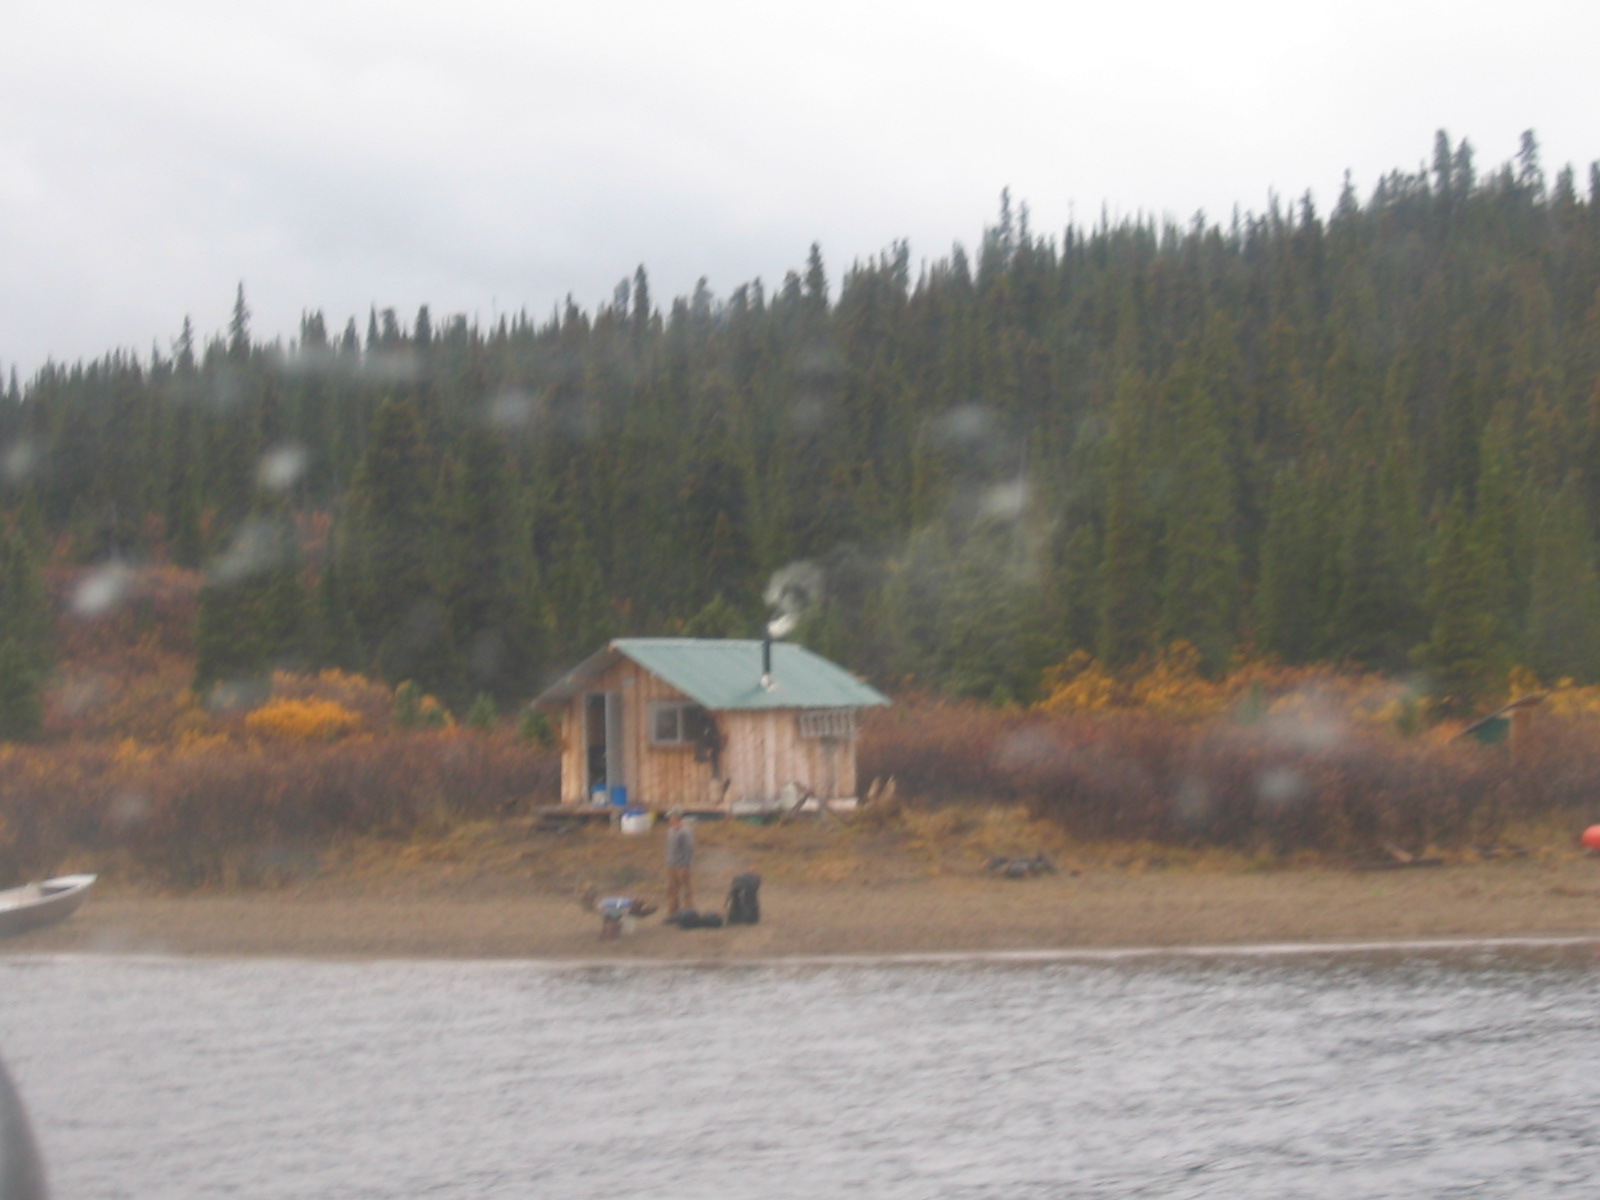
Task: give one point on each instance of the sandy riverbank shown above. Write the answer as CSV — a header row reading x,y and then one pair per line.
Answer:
x,y
1093,909
915,884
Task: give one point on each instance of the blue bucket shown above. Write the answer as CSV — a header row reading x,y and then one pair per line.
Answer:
x,y
619,796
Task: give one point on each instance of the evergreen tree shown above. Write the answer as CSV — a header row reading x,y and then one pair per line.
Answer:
x,y
1199,553
1292,603
26,637
1563,622
238,329
1149,380
1378,616
1462,655
481,576
384,562
816,281
253,614
1497,528
718,619
1127,581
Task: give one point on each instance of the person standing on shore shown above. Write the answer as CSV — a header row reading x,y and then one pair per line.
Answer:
x,y
680,861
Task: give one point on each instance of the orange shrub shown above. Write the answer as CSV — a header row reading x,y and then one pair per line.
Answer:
x,y
372,701
1079,684
303,720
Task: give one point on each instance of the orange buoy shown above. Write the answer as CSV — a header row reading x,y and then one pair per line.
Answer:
x,y
1591,838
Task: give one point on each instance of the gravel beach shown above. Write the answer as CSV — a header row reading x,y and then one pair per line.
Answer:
x,y
353,916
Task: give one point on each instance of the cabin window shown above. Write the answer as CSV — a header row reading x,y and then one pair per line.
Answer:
x,y
675,723
828,724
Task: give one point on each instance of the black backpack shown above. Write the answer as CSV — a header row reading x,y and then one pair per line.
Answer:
x,y
744,900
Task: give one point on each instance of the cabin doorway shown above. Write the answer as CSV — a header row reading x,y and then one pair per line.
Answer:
x,y
602,739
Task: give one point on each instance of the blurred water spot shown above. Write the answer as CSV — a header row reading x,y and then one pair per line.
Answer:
x,y
486,654
226,389
310,360
235,695
282,467
1004,501
421,632
1280,787
390,366
260,544
101,590
126,810
81,693
808,413
818,358
18,461
511,411
1304,722
966,424
1028,750
1191,805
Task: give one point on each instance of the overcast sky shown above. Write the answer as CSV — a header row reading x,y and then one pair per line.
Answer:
x,y
485,156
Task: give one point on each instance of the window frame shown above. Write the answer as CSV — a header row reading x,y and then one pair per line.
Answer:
x,y
683,737
827,724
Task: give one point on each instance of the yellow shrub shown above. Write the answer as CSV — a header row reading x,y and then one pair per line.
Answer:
x,y
190,743
435,715
1568,700
1078,684
1173,686
1564,698
303,720
1170,685
132,752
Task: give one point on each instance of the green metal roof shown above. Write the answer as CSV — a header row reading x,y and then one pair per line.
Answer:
x,y
723,674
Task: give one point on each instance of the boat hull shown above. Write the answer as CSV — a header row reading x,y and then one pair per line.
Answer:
x,y
36,904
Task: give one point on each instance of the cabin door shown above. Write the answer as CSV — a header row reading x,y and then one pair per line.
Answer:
x,y
602,713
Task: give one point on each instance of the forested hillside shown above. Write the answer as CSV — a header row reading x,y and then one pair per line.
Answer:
x,y
1367,436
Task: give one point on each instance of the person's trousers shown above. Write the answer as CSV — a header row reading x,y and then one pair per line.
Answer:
x,y
680,890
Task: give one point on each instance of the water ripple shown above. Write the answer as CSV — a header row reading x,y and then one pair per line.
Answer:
x,y
1439,1071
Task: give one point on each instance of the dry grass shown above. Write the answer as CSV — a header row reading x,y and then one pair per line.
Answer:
x,y
476,857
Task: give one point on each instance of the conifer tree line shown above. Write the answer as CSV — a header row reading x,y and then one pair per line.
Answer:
x,y
1369,436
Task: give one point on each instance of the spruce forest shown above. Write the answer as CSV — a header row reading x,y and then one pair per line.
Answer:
x,y
1367,437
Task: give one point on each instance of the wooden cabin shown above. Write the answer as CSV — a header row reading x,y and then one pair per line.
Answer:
x,y
707,724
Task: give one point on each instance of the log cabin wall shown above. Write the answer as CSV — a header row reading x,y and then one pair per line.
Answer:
x,y
656,776
668,775
762,751
574,776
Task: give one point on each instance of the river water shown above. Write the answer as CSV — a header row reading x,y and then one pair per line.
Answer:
x,y
1457,1072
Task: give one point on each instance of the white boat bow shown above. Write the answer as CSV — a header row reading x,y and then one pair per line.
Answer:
x,y
43,903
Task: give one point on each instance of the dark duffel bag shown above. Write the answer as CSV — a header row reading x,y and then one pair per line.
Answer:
x,y
689,919
744,900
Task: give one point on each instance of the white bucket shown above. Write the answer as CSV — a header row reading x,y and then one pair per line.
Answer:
x,y
637,822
